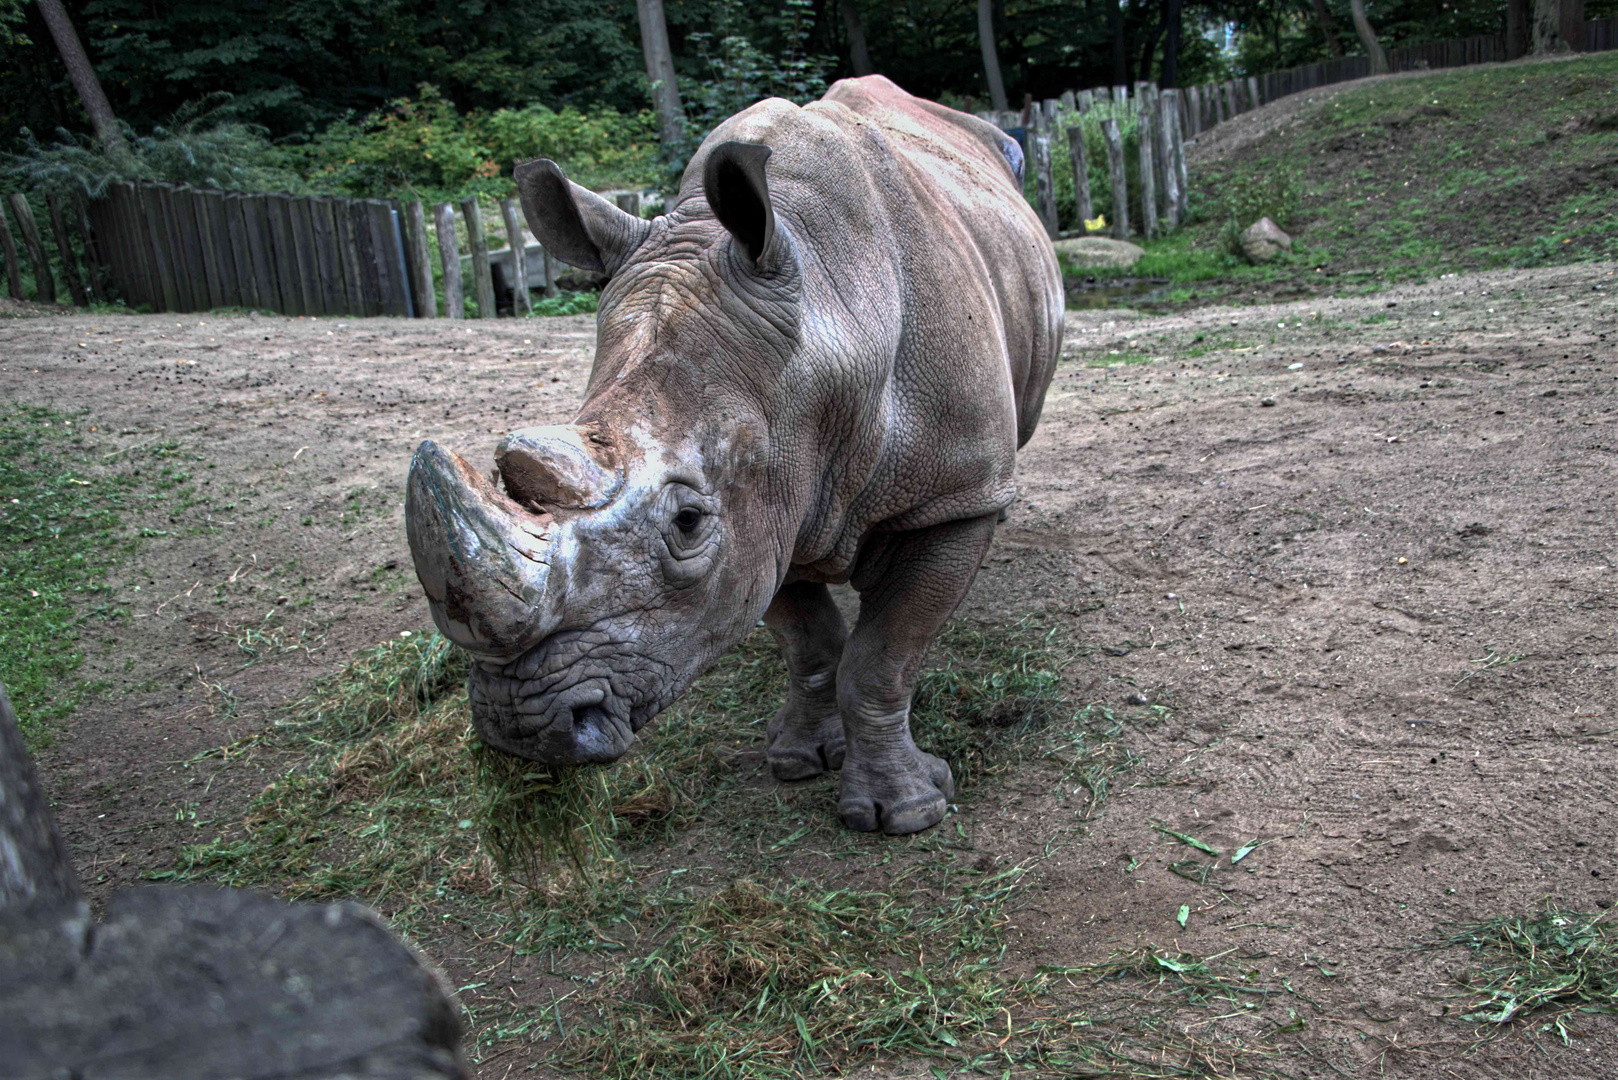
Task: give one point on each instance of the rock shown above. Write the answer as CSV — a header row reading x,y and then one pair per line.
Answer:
x,y
1093,251
1263,241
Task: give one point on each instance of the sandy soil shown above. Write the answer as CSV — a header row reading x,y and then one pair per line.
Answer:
x,y
1357,556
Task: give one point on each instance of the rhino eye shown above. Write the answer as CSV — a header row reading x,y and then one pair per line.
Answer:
x,y
688,519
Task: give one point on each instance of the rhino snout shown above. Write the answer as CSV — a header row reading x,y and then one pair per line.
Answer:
x,y
584,723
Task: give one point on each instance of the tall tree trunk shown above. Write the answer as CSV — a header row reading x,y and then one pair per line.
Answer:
x,y
1368,41
1120,56
1558,26
1170,76
1519,15
1328,27
1149,48
991,55
858,51
654,41
82,74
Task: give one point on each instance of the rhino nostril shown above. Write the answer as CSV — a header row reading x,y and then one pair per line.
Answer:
x,y
589,716
593,735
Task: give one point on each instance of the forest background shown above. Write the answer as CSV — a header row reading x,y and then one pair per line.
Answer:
x,y
437,98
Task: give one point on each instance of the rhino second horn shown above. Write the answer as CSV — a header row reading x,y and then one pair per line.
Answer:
x,y
484,562
558,466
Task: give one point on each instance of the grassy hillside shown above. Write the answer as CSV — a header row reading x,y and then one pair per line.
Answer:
x,y
1411,178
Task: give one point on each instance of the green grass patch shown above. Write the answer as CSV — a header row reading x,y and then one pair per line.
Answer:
x,y
1553,962
61,533
1410,179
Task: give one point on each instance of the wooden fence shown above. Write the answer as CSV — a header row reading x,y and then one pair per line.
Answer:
x,y
175,248
185,249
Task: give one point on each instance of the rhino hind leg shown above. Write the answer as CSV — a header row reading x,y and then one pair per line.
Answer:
x,y
907,592
806,735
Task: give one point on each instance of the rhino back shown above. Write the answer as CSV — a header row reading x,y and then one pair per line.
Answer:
x,y
932,311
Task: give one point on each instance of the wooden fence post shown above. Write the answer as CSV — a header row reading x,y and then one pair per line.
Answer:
x,y
420,262
1044,187
1148,172
521,302
449,257
1120,95
1253,96
303,244
70,265
552,272
261,247
482,276
1084,101
1176,121
328,259
1117,175
13,271
239,248
351,225
1167,106
1081,175
44,280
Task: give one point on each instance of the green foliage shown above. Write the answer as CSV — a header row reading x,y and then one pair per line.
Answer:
x,y
200,145
567,303
1095,152
423,146
736,73
60,535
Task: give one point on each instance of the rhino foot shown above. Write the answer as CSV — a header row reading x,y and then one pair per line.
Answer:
x,y
802,745
903,796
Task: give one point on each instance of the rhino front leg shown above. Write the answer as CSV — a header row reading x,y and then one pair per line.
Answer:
x,y
806,735
909,586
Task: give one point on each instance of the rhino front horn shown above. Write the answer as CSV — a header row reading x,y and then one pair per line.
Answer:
x,y
561,467
485,563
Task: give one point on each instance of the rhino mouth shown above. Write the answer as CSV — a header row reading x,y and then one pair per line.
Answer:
x,y
544,708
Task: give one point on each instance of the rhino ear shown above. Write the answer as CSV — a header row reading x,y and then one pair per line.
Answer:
x,y
733,181
575,224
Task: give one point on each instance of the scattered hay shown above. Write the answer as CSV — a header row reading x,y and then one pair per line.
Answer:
x,y
1557,961
806,981
391,798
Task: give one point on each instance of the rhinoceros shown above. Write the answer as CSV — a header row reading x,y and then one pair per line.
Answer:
x,y
816,367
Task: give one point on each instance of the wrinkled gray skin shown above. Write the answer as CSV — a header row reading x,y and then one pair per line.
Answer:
x,y
817,367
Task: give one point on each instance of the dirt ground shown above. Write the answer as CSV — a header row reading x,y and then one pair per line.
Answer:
x,y
1349,565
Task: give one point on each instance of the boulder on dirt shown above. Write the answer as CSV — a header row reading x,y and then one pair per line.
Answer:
x,y
1088,252
1263,241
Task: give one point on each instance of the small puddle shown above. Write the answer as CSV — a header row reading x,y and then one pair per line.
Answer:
x,y
1089,293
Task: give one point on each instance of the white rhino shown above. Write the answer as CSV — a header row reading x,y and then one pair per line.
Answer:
x,y
816,367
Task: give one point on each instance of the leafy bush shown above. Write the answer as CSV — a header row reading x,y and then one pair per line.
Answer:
x,y
739,73
567,303
201,146
424,147
604,149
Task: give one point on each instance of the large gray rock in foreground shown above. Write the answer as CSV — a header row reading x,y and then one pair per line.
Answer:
x,y
1088,252
1263,241
196,983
